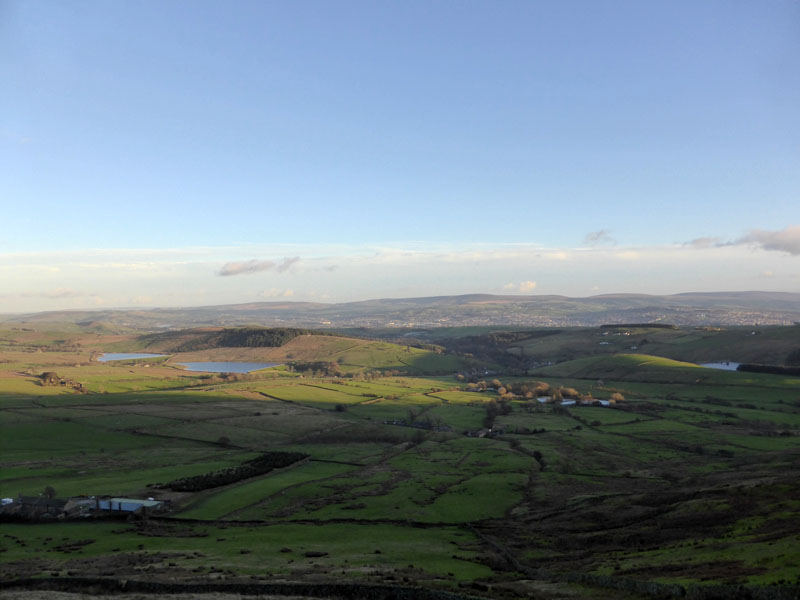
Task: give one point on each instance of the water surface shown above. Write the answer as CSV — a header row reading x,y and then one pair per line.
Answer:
x,y
725,366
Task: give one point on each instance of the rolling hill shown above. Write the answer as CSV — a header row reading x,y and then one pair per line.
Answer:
x,y
719,308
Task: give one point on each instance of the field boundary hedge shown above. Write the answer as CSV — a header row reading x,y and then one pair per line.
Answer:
x,y
257,466
771,369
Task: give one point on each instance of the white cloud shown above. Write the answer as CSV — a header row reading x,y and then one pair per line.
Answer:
x,y
277,293
524,287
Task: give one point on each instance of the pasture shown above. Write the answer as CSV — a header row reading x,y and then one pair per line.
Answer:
x,y
692,478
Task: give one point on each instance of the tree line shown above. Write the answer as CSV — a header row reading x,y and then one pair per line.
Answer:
x,y
256,466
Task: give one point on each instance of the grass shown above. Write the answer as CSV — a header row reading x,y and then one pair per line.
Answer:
x,y
693,464
242,501
351,548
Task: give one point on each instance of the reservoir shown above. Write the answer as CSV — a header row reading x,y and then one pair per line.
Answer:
x,y
126,356
725,366
227,367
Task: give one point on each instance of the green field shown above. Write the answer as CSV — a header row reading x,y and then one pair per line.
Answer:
x,y
692,478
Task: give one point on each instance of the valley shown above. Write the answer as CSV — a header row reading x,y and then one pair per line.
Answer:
x,y
421,466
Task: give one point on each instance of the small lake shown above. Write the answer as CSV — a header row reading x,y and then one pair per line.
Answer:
x,y
725,366
126,356
226,367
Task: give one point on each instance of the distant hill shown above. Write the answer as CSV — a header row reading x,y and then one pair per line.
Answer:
x,y
688,309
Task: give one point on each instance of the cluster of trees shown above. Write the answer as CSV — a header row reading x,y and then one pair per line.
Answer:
x,y
334,369
318,369
246,337
508,391
60,346
257,466
772,369
50,378
226,377
493,410
534,389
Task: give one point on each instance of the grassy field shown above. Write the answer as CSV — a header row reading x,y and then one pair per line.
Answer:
x,y
692,478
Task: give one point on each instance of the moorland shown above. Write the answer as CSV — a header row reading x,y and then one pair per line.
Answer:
x,y
549,463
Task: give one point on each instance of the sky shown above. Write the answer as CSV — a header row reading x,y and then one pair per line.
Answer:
x,y
195,152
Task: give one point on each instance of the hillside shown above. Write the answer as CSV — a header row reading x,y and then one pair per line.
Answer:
x,y
639,367
350,354
657,370
683,484
523,348
284,345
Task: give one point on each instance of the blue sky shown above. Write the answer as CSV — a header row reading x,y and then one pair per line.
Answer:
x,y
382,143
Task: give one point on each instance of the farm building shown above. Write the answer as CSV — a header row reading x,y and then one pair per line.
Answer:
x,y
42,507
130,505
39,507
